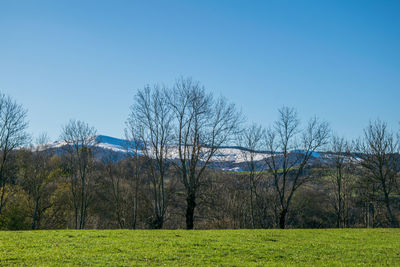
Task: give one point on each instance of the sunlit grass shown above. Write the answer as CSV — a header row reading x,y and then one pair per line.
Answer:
x,y
213,248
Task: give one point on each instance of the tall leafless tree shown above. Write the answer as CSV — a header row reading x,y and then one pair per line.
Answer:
x,y
252,140
150,121
134,149
36,173
340,177
13,134
79,140
114,175
202,125
378,151
290,150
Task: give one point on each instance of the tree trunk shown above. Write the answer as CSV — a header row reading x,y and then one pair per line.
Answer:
x,y
251,199
393,221
35,215
81,225
76,215
136,197
135,208
158,222
339,214
2,196
191,205
119,219
339,200
282,219
134,221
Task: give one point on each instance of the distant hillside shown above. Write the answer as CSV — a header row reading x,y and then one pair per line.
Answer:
x,y
227,158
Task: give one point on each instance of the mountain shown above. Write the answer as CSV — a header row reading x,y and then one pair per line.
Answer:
x,y
227,158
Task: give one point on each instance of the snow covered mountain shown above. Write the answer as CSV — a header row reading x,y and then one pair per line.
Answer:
x,y
228,158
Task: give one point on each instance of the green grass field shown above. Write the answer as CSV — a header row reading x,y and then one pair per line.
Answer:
x,y
212,248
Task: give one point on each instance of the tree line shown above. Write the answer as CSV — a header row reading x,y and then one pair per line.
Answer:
x,y
355,183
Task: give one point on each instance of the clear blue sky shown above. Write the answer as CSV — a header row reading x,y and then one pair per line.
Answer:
x,y
85,60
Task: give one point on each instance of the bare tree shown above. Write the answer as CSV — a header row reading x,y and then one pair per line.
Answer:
x,y
150,121
252,140
340,177
378,151
13,134
36,172
114,175
203,124
134,148
290,150
79,140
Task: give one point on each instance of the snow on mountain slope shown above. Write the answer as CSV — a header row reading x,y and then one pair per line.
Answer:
x,y
112,143
226,158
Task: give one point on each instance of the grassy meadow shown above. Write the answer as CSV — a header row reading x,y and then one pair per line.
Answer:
x,y
331,247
